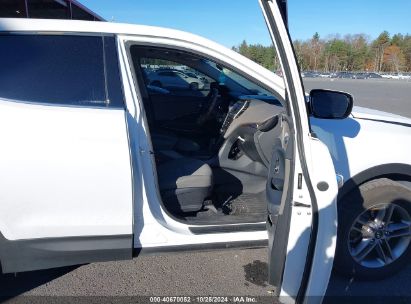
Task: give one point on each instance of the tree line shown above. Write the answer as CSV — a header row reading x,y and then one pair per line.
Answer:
x,y
356,52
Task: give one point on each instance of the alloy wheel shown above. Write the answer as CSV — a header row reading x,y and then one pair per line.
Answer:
x,y
380,235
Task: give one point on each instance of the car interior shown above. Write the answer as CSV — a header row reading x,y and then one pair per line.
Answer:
x,y
212,141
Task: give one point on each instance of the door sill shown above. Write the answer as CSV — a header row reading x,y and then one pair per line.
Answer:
x,y
244,227
200,247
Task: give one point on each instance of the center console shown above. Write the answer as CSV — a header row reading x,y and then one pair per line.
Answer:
x,y
234,112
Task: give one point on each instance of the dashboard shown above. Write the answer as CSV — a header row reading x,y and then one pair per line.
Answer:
x,y
248,137
251,112
233,113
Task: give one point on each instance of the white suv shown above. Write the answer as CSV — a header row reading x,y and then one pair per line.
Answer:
x,y
97,166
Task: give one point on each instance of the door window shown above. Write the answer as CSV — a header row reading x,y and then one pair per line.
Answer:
x,y
53,69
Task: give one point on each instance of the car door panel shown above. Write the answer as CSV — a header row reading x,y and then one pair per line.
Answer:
x,y
73,164
324,179
297,267
68,181
66,185
278,207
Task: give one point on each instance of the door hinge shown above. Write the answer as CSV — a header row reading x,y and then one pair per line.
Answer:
x,y
298,204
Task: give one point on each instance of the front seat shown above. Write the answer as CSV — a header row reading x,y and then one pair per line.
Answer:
x,y
184,184
166,140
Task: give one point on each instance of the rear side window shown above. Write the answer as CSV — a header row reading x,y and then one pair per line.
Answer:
x,y
54,69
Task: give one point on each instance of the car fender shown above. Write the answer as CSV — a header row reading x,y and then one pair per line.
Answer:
x,y
365,149
396,171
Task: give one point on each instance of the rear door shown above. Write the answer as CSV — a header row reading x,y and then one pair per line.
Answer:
x,y
301,187
65,174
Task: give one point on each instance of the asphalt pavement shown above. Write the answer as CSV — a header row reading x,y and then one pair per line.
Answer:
x,y
388,95
217,273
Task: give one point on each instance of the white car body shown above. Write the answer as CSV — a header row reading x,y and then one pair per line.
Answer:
x,y
404,76
325,76
366,130
397,76
87,189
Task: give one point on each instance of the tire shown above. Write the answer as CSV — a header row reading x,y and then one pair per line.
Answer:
x,y
194,86
157,83
372,249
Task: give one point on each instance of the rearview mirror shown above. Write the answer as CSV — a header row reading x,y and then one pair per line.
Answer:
x,y
329,104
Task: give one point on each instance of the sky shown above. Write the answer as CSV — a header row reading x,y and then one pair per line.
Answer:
x,y
229,22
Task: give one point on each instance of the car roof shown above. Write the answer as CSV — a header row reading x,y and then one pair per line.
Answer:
x,y
79,26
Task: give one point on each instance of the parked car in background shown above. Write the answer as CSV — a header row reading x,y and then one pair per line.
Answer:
x,y
203,78
325,75
174,79
404,76
396,76
359,75
353,75
373,75
344,75
310,74
364,75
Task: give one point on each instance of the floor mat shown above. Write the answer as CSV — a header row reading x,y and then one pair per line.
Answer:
x,y
227,209
242,204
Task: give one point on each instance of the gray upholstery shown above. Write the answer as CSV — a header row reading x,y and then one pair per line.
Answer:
x,y
184,173
184,184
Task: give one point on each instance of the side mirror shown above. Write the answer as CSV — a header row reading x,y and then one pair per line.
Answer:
x,y
329,104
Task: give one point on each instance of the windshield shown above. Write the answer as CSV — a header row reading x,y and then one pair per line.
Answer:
x,y
240,80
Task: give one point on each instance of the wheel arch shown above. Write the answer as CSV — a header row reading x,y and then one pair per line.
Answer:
x,y
393,171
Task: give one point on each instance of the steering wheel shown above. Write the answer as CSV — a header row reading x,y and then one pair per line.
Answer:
x,y
213,98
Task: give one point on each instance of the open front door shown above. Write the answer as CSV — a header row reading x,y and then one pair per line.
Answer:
x,y
301,187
